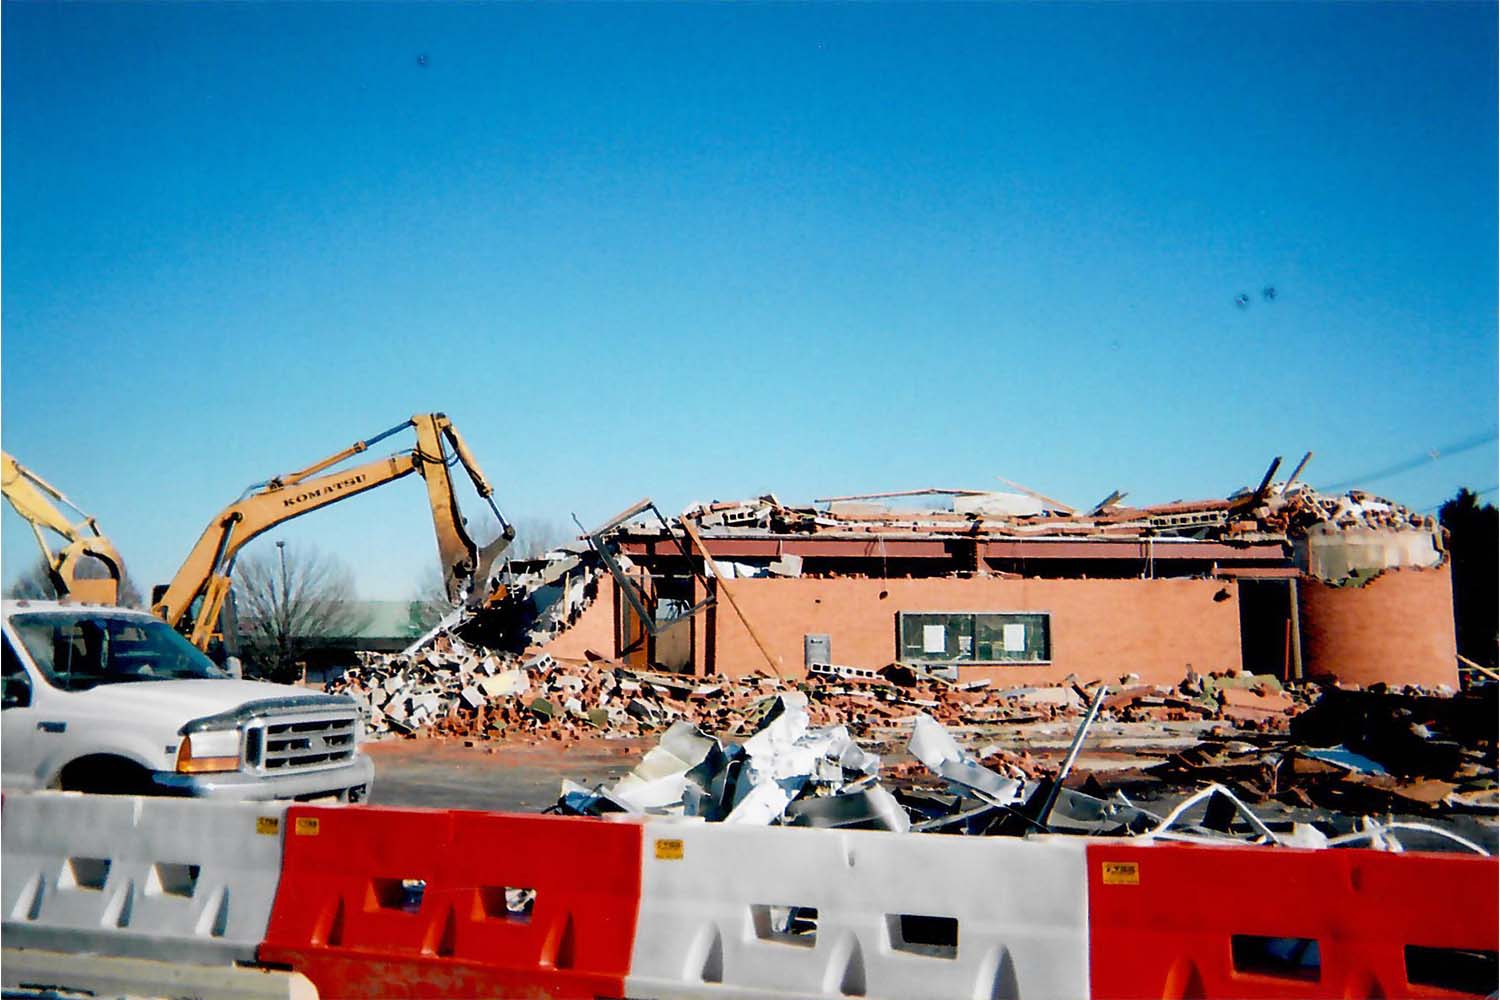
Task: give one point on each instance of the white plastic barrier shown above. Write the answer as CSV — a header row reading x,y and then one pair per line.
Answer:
x,y
759,912
172,879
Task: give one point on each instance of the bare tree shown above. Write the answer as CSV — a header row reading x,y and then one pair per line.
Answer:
x,y
429,602
289,599
535,536
35,584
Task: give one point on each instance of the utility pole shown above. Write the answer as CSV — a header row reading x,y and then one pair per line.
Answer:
x,y
283,610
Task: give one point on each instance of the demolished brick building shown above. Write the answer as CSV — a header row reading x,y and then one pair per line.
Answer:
x,y
1020,589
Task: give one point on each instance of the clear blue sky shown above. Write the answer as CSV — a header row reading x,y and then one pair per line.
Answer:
x,y
704,252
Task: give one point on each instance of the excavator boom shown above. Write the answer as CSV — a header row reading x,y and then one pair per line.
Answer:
x,y
205,574
29,494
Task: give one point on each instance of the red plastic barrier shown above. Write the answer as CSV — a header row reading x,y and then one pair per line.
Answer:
x,y
377,902
1175,921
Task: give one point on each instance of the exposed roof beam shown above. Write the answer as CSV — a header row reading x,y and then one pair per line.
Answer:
x,y
1056,504
929,491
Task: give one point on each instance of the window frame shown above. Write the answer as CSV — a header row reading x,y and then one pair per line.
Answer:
x,y
971,659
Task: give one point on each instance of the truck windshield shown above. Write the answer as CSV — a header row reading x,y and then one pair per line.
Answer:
x,y
79,650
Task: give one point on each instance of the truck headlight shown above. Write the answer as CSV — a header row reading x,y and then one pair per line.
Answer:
x,y
209,750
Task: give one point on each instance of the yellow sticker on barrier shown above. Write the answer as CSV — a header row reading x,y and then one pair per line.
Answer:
x,y
1122,873
669,850
306,826
268,825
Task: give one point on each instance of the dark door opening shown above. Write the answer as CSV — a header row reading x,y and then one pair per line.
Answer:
x,y
1266,627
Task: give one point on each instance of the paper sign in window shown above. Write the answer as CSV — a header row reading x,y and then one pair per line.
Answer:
x,y
1015,637
934,639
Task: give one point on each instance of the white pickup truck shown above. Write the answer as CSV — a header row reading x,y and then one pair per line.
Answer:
x,y
101,699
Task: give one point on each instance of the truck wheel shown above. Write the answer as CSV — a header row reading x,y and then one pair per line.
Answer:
x,y
105,775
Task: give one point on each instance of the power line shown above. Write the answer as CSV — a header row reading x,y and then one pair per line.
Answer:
x,y
1478,493
1416,461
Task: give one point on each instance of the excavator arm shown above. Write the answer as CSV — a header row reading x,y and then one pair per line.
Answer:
x,y
206,572
29,494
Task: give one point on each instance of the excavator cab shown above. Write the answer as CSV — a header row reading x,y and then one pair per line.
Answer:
x,y
223,644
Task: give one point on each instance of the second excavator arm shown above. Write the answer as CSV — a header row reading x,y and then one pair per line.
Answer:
x,y
28,493
206,572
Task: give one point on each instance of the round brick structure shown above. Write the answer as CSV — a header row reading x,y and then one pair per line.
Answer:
x,y
1396,629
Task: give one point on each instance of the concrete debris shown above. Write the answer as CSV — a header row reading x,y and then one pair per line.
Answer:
x,y
1250,706
786,565
455,689
1063,697
1313,745
843,673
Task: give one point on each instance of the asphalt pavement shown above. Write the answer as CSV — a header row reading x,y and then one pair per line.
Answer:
x,y
513,777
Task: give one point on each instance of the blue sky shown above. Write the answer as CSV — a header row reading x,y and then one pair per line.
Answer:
x,y
701,252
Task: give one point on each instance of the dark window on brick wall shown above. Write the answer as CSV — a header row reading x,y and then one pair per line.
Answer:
x,y
975,637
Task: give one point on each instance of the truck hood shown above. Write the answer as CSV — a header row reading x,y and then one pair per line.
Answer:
x,y
186,700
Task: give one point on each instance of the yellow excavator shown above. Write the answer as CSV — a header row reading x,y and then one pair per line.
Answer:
x,y
29,494
194,599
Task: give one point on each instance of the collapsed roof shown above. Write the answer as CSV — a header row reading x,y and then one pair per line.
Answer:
x,y
1337,538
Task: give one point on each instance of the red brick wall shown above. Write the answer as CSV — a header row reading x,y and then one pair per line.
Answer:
x,y
1101,629
1398,628
595,628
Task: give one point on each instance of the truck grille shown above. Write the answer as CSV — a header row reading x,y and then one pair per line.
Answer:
x,y
300,742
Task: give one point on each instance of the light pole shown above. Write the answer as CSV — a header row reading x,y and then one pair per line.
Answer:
x,y
283,615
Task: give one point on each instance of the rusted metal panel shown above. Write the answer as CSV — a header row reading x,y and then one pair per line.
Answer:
x,y
1131,549
1002,548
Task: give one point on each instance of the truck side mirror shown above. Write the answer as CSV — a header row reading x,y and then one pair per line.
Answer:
x,y
16,686
17,693
235,668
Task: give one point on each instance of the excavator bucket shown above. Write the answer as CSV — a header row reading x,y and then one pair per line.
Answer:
x,y
489,572
95,591
32,497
